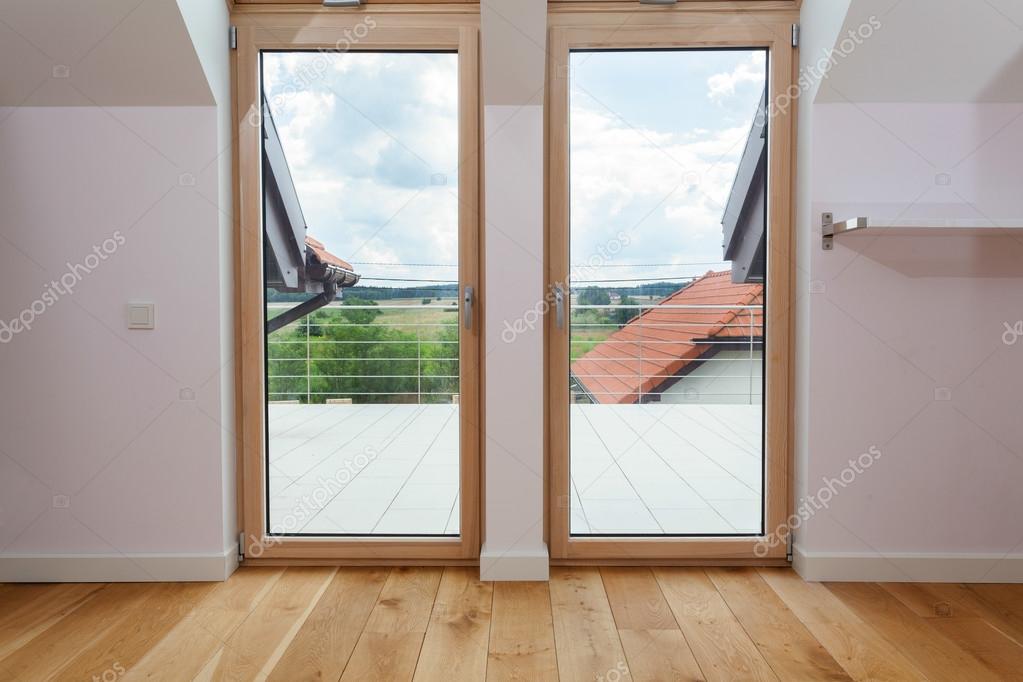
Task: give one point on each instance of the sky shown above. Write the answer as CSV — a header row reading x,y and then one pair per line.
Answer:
x,y
656,136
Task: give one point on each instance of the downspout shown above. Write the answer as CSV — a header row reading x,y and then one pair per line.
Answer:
x,y
304,308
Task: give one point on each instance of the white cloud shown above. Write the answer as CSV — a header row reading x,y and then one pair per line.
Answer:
x,y
364,138
665,190
723,85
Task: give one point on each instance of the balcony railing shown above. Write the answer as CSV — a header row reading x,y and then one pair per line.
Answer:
x,y
664,352
402,353
387,353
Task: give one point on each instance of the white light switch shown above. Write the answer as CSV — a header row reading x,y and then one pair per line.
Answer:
x,y
141,316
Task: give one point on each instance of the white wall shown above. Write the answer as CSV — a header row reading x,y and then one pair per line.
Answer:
x,y
208,24
116,455
900,338
733,378
115,125
513,39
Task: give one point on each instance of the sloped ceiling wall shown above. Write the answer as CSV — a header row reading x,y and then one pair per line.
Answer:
x,y
100,53
927,51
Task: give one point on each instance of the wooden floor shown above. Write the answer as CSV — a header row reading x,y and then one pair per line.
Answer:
x,y
443,624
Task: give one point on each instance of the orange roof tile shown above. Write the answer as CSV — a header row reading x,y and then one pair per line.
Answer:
x,y
326,257
658,343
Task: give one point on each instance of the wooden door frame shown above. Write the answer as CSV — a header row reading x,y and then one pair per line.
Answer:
x,y
406,27
677,26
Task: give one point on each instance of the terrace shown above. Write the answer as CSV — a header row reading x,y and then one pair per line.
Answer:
x,y
364,423
636,469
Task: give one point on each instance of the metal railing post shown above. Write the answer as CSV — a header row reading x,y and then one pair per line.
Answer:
x,y
752,317
363,373
308,364
640,368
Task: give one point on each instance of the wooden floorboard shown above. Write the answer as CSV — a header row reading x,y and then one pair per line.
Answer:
x,y
390,643
655,648
46,653
250,650
326,640
121,648
458,637
785,643
861,651
937,656
203,633
30,611
587,623
722,647
522,633
585,635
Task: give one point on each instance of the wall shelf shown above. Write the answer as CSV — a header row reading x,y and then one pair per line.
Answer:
x,y
905,228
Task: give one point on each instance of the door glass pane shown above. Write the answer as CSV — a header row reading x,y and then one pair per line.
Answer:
x,y
668,255
360,183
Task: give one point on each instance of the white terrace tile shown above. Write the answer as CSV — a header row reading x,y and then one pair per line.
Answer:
x,y
347,517
619,516
383,466
383,487
679,459
743,515
705,521
578,523
721,488
610,485
433,471
454,519
428,496
413,521
668,492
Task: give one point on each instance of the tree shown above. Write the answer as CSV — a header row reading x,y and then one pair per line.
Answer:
x,y
358,316
371,363
594,296
623,315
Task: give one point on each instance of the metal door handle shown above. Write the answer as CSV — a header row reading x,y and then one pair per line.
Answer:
x,y
559,307
467,300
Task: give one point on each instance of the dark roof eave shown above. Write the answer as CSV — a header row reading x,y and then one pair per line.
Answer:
x,y
327,272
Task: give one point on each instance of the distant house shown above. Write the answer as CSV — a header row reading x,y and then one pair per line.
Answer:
x,y
713,354
674,354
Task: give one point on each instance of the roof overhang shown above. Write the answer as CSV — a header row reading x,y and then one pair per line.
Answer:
x,y
745,218
294,261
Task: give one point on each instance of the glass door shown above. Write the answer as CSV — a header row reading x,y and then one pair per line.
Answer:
x,y
369,263
658,369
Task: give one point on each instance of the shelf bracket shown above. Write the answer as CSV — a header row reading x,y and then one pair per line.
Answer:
x,y
829,228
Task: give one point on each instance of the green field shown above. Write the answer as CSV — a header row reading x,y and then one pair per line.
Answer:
x,y
367,353
394,351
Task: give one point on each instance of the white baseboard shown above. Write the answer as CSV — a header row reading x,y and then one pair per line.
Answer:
x,y
514,565
114,568
908,567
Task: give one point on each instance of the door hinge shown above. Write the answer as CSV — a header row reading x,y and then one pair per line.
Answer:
x,y
232,37
241,546
788,547
795,35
